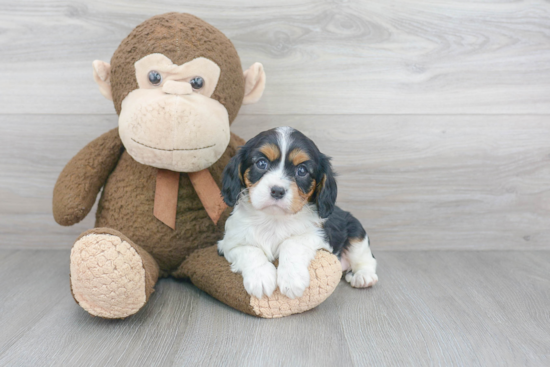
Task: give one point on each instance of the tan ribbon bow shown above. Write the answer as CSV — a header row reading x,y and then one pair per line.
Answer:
x,y
166,195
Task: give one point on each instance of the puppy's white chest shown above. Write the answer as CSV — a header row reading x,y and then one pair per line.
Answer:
x,y
250,227
269,236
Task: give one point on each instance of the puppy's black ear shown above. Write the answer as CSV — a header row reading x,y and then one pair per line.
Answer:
x,y
232,181
326,188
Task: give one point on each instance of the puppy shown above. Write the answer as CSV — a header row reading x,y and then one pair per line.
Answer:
x,y
284,192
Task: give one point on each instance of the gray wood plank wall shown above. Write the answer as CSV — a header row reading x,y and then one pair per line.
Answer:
x,y
436,112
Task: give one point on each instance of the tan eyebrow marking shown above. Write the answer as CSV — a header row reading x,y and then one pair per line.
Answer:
x,y
271,151
298,156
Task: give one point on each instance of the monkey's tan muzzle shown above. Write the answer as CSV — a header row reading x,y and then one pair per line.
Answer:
x,y
177,130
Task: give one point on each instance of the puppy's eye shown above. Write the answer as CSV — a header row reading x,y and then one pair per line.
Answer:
x,y
197,82
154,77
262,163
301,171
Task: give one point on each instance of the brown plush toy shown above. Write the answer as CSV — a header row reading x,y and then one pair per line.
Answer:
x,y
177,84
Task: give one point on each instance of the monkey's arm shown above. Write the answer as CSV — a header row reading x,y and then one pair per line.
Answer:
x,y
79,183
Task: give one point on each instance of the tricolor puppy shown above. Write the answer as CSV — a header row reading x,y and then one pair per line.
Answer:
x,y
284,192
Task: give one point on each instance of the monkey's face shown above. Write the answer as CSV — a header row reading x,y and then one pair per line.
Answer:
x,y
170,121
177,84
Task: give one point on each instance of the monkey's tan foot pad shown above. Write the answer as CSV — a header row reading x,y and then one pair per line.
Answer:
x,y
212,273
108,274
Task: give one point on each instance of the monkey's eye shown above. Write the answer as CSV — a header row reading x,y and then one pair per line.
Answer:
x,y
197,82
154,77
301,171
262,163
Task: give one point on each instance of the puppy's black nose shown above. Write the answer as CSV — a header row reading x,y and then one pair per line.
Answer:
x,y
277,192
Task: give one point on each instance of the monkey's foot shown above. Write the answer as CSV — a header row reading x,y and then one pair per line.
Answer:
x,y
110,276
212,273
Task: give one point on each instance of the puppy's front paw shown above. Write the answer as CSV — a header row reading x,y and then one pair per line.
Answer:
x,y
261,280
362,278
292,281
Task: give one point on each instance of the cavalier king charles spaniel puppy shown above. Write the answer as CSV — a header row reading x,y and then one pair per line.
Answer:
x,y
283,192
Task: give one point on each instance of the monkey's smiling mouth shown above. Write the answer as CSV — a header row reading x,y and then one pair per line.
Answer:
x,y
171,150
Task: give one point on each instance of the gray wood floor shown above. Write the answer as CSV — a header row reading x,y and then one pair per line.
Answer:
x,y
438,308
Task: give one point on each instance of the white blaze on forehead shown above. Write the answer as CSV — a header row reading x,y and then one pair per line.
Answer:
x,y
260,194
284,140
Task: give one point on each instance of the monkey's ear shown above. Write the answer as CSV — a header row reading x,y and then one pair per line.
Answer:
x,y
102,76
254,83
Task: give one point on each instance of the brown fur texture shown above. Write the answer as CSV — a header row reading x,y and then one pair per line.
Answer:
x,y
212,273
127,201
80,181
181,38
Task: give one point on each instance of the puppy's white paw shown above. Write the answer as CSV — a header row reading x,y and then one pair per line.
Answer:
x,y
261,280
362,278
292,281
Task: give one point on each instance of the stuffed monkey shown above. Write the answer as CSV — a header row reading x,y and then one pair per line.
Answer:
x,y
177,84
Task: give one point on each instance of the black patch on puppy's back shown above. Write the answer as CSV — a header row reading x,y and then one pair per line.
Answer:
x,y
341,227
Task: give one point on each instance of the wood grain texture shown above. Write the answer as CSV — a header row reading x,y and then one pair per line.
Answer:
x,y
33,151
321,57
415,182
439,308
436,116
